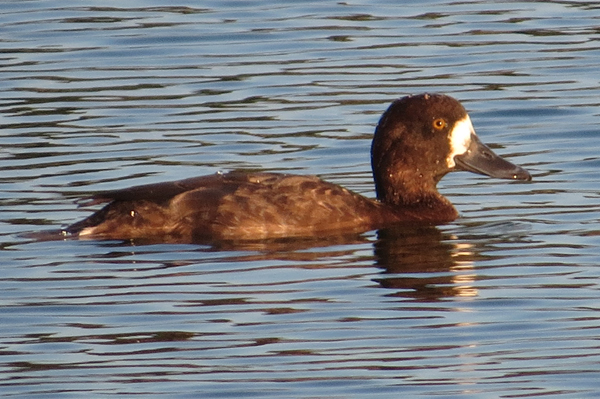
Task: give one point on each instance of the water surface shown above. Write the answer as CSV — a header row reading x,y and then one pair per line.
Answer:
x,y
501,303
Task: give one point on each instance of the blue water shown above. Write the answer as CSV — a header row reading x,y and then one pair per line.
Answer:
x,y
503,302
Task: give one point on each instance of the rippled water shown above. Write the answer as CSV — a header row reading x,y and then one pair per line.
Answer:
x,y
504,302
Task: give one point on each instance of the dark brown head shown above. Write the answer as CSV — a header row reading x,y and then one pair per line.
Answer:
x,y
421,138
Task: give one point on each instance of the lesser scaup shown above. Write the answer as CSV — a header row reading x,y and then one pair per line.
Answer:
x,y
418,140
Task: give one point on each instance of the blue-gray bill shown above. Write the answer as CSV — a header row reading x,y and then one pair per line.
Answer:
x,y
480,159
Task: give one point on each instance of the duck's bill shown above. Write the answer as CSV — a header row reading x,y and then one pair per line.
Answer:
x,y
479,158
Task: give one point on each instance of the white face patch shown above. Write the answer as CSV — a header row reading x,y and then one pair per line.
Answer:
x,y
460,139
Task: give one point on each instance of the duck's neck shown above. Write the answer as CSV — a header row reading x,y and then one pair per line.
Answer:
x,y
414,196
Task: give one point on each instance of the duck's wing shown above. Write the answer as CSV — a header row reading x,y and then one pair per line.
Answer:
x,y
164,191
155,208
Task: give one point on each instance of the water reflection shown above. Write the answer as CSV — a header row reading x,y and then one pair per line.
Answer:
x,y
419,262
424,264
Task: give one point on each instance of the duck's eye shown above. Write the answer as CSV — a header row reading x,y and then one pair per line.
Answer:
x,y
439,124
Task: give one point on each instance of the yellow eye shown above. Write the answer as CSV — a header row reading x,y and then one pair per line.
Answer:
x,y
439,124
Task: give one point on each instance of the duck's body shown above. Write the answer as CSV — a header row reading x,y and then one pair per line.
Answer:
x,y
239,205
418,140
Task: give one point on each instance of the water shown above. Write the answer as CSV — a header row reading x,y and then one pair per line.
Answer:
x,y
501,303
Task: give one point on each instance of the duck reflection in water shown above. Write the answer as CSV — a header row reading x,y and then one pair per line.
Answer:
x,y
424,264
420,263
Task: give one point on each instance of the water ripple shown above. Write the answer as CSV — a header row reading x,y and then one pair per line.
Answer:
x,y
500,303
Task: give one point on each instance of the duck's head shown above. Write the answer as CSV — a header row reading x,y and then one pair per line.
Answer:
x,y
421,138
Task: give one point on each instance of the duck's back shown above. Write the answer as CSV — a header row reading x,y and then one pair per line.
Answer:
x,y
235,205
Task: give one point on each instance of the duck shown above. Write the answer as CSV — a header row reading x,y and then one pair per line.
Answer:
x,y
418,140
